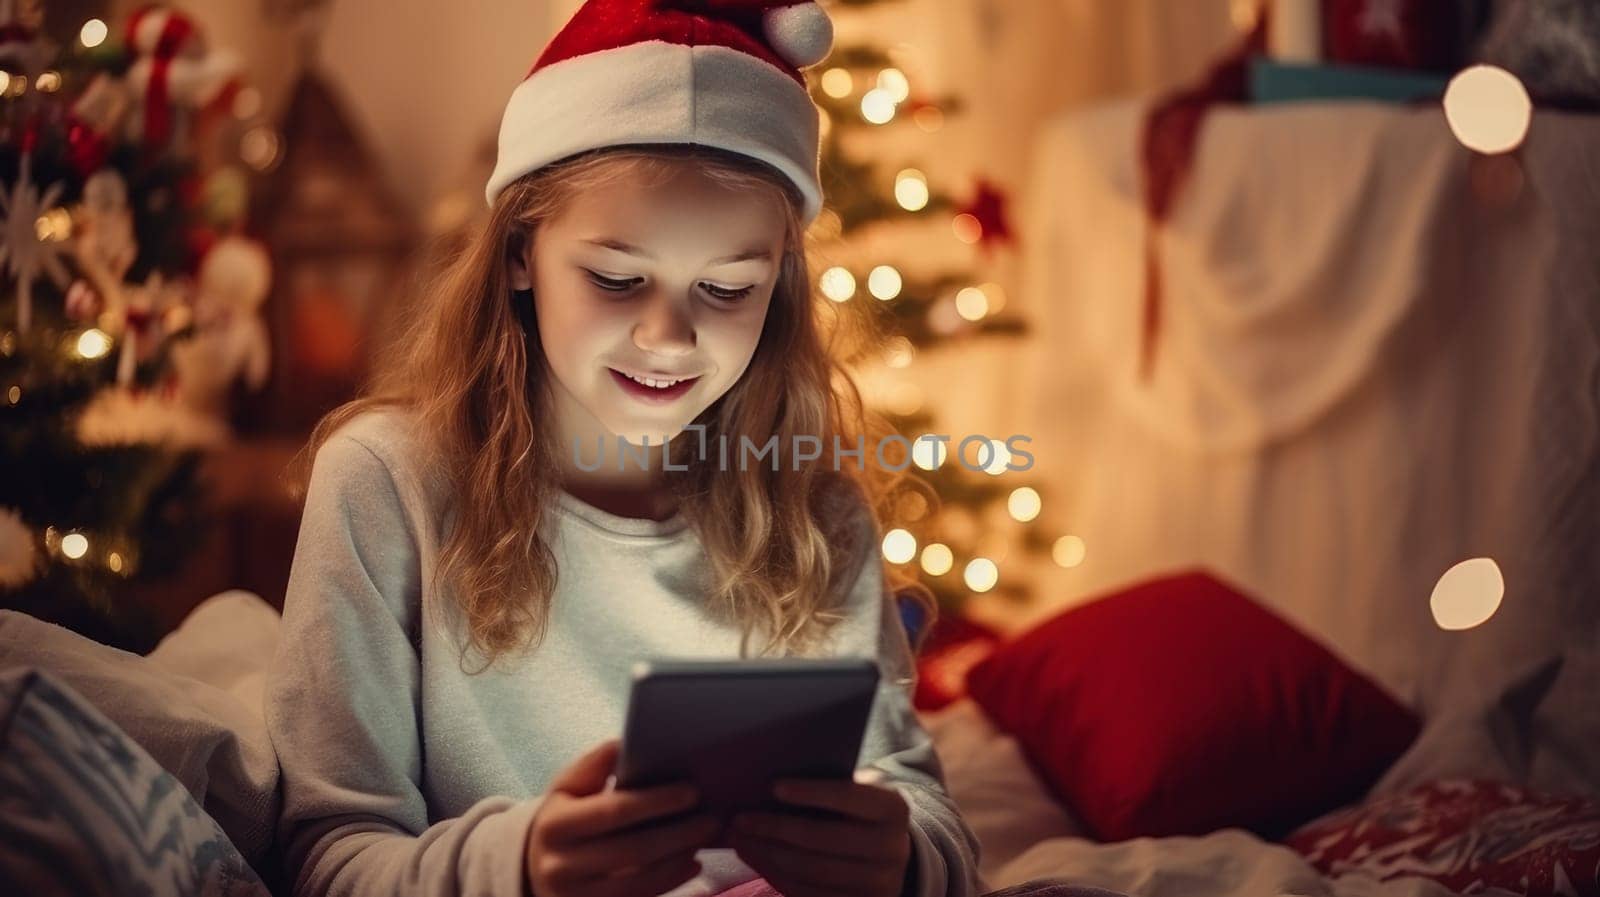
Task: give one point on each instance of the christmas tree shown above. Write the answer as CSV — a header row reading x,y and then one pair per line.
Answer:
x,y
127,306
897,225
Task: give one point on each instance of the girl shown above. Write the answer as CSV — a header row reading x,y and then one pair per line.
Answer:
x,y
470,587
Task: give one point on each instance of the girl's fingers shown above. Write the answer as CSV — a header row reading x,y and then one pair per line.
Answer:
x,y
575,819
811,869
644,846
872,803
844,837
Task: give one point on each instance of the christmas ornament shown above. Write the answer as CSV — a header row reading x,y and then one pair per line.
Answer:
x,y
82,303
104,244
142,310
988,207
172,78
22,252
230,338
23,52
121,416
19,556
1411,34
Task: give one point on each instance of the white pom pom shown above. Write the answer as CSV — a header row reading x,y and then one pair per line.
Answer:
x,y
801,33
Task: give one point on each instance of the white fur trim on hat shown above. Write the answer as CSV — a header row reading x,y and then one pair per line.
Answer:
x,y
801,34
660,92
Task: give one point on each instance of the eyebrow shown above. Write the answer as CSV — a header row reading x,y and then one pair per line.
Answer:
x,y
620,246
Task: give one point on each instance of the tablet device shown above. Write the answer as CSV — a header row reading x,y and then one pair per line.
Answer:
x,y
733,726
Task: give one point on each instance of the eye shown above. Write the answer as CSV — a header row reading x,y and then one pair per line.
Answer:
x,y
727,295
611,285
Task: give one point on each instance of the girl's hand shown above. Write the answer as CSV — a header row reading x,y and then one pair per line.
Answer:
x,y
860,845
586,841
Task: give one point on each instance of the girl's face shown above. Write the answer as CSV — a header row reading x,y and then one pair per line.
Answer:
x,y
662,282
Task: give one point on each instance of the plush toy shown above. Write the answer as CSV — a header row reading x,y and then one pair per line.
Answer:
x,y
230,338
172,78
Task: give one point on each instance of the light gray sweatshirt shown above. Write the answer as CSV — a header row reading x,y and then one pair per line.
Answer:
x,y
404,776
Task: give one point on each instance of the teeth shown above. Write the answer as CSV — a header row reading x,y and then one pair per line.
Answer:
x,y
652,382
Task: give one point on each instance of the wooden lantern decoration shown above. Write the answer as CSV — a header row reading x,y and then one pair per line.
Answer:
x,y
340,241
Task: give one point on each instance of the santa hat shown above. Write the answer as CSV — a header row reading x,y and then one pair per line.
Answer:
x,y
718,73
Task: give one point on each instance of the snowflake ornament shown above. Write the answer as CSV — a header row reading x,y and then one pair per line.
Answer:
x,y
23,254
19,558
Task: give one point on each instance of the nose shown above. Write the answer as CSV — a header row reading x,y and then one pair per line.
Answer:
x,y
664,327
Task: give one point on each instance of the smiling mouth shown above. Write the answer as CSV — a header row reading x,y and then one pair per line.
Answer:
x,y
653,389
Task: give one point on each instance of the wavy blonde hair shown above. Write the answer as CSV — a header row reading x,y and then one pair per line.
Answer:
x,y
783,546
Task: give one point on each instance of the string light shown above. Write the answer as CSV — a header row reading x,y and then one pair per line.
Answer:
x,y
996,296
899,546
893,81
911,190
972,304
877,106
93,33
14,395
981,574
1024,504
1488,109
114,562
53,226
967,227
74,545
17,85
259,148
49,82
5,83
1068,551
93,343
928,453
999,458
838,83
937,559
838,284
1468,594
884,282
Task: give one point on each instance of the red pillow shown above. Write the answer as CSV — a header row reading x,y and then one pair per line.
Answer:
x,y
1180,706
954,646
1466,835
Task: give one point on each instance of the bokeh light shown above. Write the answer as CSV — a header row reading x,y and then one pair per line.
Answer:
x,y
1488,109
899,546
1068,551
1024,504
937,559
981,574
1468,594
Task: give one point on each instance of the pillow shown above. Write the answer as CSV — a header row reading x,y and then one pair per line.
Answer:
x,y
1180,706
1000,795
1486,735
85,811
954,646
208,740
1466,835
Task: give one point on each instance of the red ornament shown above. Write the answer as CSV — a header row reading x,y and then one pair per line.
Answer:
x,y
1409,34
87,149
988,207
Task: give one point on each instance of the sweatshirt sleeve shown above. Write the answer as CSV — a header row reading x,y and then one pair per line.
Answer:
x,y
342,699
944,849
